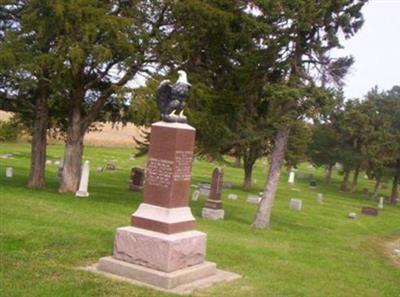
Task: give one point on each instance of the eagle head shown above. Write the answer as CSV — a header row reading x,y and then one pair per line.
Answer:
x,y
182,77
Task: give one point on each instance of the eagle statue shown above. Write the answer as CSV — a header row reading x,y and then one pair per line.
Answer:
x,y
171,98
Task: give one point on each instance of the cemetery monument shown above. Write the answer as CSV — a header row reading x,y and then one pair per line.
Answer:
x,y
161,247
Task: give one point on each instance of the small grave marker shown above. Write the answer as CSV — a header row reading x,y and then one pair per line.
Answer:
x,y
253,199
369,211
380,205
9,172
295,204
136,179
320,198
195,195
352,215
232,196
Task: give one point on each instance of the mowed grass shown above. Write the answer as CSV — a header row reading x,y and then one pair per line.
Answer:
x,y
46,236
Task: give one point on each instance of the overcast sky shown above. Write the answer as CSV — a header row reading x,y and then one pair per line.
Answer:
x,y
376,49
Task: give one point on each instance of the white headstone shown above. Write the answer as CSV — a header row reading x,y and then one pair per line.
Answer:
x,y
83,186
254,199
380,205
320,198
291,177
232,196
9,172
195,195
57,163
295,204
49,162
352,215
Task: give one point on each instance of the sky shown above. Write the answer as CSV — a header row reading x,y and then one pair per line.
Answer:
x,y
376,49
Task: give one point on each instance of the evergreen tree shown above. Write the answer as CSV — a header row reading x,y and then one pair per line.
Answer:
x,y
28,31
306,31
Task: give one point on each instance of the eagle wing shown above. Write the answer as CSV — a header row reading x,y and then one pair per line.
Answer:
x,y
164,94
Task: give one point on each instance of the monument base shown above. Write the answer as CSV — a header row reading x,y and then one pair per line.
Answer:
x,y
163,252
183,281
82,194
212,214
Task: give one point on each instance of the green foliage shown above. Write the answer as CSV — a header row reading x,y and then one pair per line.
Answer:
x,y
297,147
10,130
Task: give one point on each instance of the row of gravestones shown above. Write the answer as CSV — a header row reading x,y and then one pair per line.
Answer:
x,y
297,203
213,207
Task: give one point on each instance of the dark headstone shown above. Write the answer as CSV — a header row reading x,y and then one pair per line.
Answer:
x,y
370,211
136,179
110,166
214,199
313,184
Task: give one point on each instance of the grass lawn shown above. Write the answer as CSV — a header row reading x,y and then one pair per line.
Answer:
x,y
45,236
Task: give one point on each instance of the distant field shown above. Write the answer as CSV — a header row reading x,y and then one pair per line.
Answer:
x,y
118,136
4,116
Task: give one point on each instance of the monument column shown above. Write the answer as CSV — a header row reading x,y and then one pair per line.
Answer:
x,y
167,180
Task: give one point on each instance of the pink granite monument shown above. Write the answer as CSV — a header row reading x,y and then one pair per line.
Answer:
x,y
161,247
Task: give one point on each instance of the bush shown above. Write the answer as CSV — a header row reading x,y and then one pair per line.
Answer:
x,y
9,131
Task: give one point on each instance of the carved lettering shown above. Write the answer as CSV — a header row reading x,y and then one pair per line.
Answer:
x,y
183,165
159,172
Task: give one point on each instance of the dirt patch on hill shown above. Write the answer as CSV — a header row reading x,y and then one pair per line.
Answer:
x,y
5,116
392,250
119,136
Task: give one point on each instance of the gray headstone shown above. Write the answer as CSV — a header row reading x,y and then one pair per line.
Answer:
x,y
232,196
195,195
380,205
320,198
204,189
295,204
253,199
9,172
352,215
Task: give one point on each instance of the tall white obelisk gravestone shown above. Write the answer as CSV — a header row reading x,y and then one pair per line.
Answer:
x,y
83,185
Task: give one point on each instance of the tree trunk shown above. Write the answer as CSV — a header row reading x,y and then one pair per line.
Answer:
x,y
395,188
345,182
328,174
377,186
263,216
355,179
73,153
248,171
39,143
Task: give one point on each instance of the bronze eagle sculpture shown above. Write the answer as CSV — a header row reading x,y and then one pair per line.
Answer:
x,y
171,98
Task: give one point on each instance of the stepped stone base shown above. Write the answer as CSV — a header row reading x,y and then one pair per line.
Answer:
x,y
163,252
182,282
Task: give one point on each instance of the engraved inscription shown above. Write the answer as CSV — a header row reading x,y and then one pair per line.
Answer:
x,y
183,165
159,172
